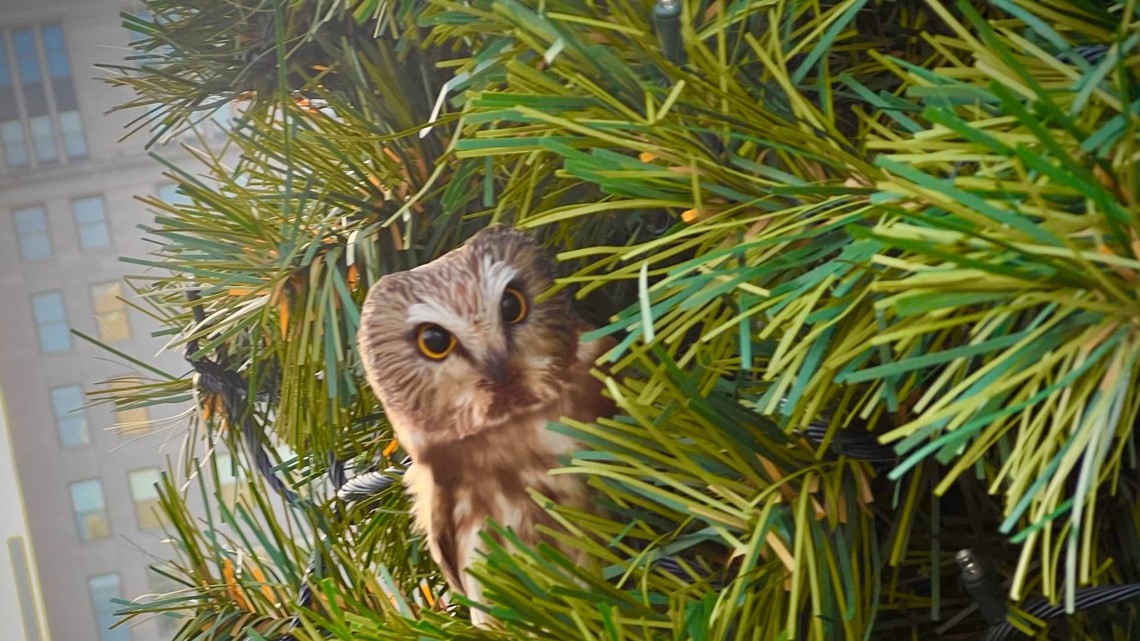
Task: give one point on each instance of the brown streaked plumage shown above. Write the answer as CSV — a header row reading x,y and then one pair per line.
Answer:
x,y
473,411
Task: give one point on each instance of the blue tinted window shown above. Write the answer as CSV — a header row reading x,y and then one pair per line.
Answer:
x,y
90,509
55,52
29,220
104,590
143,16
32,230
15,149
26,58
91,219
51,322
48,307
43,138
171,195
71,126
5,72
70,418
53,37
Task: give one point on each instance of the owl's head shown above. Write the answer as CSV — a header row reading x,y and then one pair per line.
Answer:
x,y
463,344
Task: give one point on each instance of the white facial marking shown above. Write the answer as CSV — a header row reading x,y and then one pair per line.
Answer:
x,y
496,277
434,311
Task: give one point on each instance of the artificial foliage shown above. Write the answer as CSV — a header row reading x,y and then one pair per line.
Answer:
x,y
872,269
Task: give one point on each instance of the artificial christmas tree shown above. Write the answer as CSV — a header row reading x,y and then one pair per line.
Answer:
x,y
871,267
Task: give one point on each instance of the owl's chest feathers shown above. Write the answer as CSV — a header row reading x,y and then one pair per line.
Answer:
x,y
459,485
461,477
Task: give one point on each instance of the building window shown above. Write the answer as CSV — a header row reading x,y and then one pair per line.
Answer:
x,y
162,587
51,322
227,472
39,114
130,420
145,494
32,230
144,25
105,590
170,195
90,509
15,147
43,138
91,221
110,311
229,490
70,417
71,127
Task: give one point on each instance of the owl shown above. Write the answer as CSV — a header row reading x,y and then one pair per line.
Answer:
x,y
470,366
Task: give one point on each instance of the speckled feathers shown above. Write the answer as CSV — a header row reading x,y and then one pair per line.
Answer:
x,y
461,292
475,420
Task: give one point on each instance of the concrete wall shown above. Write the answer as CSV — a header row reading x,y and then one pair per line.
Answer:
x,y
21,606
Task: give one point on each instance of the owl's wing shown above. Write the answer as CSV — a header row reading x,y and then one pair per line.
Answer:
x,y
434,513
444,544
586,401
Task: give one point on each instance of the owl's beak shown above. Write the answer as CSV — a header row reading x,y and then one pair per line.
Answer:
x,y
495,367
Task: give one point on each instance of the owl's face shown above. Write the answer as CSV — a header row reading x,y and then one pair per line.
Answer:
x,y
462,345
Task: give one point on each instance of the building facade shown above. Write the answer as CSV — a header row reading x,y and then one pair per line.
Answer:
x,y
68,211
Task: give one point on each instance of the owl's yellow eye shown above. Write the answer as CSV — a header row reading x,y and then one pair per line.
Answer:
x,y
513,306
434,341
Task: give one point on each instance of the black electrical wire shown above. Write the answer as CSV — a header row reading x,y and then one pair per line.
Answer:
x,y
1090,53
369,484
982,583
349,490
214,378
1084,599
852,442
336,470
990,598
